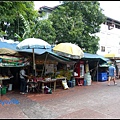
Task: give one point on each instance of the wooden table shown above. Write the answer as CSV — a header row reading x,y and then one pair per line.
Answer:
x,y
50,81
62,78
3,78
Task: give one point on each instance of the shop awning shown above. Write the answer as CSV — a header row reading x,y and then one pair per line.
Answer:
x,y
53,57
40,53
48,54
11,46
43,52
95,57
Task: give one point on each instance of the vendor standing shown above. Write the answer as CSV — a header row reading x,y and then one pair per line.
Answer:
x,y
23,81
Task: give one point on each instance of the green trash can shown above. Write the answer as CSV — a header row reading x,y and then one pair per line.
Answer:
x,y
3,90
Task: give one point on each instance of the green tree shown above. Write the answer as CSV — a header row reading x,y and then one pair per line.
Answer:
x,y
10,20
38,29
24,22
77,22
45,31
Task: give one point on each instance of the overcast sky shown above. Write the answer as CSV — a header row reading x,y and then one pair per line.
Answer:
x,y
39,4
111,8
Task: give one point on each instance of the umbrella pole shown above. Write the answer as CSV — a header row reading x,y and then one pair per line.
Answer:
x,y
34,65
44,64
97,70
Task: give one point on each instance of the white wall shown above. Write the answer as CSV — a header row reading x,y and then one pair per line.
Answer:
x,y
110,39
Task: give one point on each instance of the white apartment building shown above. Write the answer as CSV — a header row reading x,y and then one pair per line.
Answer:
x,y
109,38
47,11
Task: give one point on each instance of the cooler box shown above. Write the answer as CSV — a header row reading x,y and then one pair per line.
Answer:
x,y
102,76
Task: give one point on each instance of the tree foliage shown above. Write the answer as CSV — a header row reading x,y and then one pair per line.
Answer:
x,y
77,22
73,21
10,20
38,29
20,20
45,31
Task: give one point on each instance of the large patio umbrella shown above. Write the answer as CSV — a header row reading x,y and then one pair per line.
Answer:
x,y
69,50
33,43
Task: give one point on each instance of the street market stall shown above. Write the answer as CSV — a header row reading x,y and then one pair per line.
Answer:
x,y
9,68
51,66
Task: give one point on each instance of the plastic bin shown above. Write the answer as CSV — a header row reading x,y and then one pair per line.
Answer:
x,y
10,87
102,76
70,83
3,90
74,81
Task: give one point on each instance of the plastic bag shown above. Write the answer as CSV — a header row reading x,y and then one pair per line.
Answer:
x,y
64,83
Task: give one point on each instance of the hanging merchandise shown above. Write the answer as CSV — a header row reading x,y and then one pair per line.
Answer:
x,y
12,61
87,67
49,68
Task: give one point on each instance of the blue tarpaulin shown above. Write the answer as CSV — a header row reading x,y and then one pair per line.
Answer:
x,y
8,45
13,47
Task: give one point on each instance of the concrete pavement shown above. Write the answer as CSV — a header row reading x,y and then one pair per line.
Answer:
x,y
96,101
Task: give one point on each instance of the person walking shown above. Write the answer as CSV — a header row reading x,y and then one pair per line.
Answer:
x,y
23,81
112,74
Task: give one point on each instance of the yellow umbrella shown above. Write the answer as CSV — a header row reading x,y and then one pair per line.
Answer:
x,y
69,50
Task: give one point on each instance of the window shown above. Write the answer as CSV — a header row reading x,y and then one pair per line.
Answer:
x,y
109,49
110,23
102,49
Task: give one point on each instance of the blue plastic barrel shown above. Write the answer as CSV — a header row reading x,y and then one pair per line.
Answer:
x,y
73,81
70,83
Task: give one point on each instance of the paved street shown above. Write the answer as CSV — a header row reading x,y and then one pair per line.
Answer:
x,y
95,101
